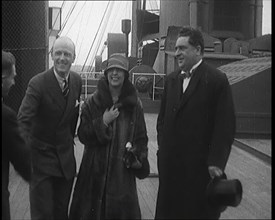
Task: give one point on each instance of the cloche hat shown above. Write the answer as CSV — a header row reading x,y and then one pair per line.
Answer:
x,y
118,61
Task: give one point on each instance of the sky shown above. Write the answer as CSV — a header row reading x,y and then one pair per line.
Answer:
x,y
266,26
83,24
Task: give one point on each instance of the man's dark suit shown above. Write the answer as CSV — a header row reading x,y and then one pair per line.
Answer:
x,y
14,150
51,120
195,130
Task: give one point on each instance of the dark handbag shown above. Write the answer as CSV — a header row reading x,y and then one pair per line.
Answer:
x,y
140,168
130,159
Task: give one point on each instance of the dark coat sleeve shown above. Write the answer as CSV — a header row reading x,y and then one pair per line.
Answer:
x,y
17,151
140,143
161,115
29,107
91,126
224,126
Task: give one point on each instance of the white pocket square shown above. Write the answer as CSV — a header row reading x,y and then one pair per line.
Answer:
x,y
76,103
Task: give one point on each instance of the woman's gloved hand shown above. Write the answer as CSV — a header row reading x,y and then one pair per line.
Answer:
x,y
110,115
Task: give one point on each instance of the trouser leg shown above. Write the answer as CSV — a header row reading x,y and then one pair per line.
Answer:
x,y
41,197
62,192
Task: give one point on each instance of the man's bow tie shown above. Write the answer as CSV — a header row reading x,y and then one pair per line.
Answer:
x,y
185,75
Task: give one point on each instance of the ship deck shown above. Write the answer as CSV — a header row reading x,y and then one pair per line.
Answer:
x,y
252,170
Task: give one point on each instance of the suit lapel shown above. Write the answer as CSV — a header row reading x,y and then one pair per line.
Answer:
x,y
176,90
71,98
54,89
194,81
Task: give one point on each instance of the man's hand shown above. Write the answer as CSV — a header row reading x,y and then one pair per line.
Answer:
x,y
110,115
214,171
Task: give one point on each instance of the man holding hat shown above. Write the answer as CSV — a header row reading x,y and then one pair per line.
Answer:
x,y
196,126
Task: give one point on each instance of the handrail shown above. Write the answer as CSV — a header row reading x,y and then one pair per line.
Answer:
x,y
94,76
154,80
89,75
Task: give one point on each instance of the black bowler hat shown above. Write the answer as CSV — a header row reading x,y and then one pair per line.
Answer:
x,y
221,192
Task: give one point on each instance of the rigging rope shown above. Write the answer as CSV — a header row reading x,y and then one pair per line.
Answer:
x,y
95,37
106,22
76,17
87,21
80,26
67,18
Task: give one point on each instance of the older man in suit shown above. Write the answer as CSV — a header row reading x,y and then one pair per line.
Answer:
x,y
195,131
49,114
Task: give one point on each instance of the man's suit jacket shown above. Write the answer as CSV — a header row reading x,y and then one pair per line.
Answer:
x,y
195,130
49,122
14,151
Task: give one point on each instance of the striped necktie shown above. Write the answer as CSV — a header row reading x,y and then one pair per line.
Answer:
x,y
65,88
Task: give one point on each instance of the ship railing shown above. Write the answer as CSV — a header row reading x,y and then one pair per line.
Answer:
x,y
157,79
90,81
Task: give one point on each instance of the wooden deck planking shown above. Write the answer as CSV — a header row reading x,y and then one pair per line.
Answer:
x,y
27,214
150,120
14,182
256,202
22,200
152,158
254,174
145,212
146,192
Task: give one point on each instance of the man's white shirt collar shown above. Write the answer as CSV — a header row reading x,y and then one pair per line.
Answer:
x,y
60,79
194,67
186,81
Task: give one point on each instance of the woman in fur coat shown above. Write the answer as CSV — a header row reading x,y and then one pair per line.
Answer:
x,y
112,118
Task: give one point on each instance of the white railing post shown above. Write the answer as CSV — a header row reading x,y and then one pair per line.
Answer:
x,y
86,86
92,76
154,78
133,80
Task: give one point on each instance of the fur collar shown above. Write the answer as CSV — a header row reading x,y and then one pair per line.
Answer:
x,y
127,98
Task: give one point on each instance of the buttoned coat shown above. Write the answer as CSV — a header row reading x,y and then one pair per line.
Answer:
x,y
105,188
194,130
49,123
14,151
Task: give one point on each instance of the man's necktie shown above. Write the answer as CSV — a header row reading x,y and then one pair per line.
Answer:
x,y
65,88
183,76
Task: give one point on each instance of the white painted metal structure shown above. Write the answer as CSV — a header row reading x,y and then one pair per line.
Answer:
x,y
86,76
